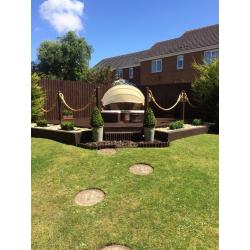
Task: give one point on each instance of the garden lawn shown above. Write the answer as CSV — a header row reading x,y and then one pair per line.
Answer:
x,y
175,207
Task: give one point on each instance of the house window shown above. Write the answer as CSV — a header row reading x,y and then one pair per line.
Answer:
x,y
157,66
119,73
180,62
210,55
131,73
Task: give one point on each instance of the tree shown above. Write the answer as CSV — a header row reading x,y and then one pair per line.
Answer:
x,y
66,59
37,98
101,75
50,60
206,90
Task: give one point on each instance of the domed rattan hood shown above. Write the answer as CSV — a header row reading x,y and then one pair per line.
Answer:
x,y
123,94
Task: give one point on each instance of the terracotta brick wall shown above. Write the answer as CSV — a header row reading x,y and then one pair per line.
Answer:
x,y
170,74
136,78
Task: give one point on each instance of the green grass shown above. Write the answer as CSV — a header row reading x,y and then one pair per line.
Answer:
x,y
176,207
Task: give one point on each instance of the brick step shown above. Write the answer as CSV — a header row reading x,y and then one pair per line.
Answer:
x,y
125,135
123,129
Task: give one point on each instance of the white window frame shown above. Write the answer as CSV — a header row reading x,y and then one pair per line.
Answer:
x,y
131,73
154,66
180,57
210,58
119,73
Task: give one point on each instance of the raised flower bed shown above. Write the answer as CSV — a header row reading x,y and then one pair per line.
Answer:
x,y
187,130
54,132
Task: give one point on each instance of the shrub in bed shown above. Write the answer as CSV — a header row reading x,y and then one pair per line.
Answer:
x,y
197,122
67,125
176,125
67,112
42,123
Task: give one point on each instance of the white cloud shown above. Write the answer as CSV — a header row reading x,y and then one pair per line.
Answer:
x,y
63,15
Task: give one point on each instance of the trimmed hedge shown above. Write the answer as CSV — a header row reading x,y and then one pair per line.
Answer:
x,y
197,122
67,112
67,125
149,119
176,125
42,123
96,119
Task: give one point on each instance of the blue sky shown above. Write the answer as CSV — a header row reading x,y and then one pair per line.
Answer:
x,y
115,27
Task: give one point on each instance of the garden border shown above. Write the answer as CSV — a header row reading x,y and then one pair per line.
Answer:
x,y
79,138
172,135
67,137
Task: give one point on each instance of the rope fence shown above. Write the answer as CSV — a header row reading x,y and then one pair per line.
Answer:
x,y
72,109
61,96
181,98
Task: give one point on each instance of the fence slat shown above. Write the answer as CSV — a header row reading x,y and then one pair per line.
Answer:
x,y
77,94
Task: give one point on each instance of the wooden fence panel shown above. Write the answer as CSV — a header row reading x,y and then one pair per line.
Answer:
x,y
76,93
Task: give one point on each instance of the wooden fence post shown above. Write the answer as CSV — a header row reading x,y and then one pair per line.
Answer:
x,y
59,107
97,96
183,110
147,98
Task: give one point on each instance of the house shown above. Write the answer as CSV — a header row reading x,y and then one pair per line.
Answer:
x,y
167,66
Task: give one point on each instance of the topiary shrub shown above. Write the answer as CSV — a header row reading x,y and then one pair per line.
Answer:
x,y
67,125
67,112
176,125
197,122
149,119
42,123
96,119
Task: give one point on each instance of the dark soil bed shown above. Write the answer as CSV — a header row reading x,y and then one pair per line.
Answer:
x,y
122,144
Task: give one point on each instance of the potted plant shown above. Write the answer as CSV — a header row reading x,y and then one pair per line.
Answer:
x,y
67,115
149,125
97,125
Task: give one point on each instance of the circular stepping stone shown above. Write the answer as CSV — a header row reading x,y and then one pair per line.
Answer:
x,y
141,169
89,197
116,247
106,151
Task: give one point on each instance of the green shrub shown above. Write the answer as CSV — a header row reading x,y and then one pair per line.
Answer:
x,y
197,122
67,125
176,125
37,98
96,119
206,90
149,119
42,123
67,112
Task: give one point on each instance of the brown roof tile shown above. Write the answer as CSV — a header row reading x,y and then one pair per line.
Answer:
x,y
122,61
193,39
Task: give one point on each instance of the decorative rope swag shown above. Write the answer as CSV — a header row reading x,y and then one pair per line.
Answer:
x,y
72,109
52,107
181,98
62,98
164,109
